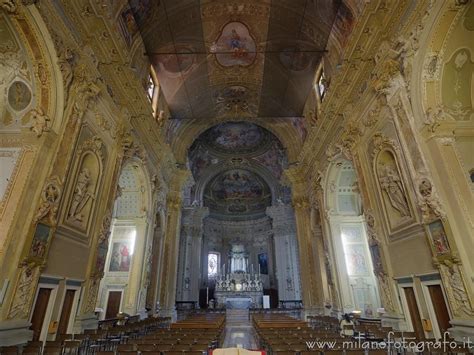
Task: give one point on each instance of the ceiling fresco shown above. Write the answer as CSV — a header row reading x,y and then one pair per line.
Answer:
x,y
239,193
236,137
224,59
239,143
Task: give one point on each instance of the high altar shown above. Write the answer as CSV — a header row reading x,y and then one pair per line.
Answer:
x,y
240,288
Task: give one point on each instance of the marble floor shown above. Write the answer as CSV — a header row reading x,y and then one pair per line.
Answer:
x,y
240,337
239,332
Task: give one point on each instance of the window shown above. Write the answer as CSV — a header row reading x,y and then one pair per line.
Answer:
x,y
212,264
322,85
153,90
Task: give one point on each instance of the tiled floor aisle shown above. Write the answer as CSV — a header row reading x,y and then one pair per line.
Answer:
x,y
239,331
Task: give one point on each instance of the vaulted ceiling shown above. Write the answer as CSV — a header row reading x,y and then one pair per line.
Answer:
x,y
235,59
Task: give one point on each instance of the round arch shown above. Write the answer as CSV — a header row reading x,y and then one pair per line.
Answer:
x,y
186,134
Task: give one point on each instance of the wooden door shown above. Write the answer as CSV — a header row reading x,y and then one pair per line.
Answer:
x,y
414,312
66,311
439,305
39,312
113,304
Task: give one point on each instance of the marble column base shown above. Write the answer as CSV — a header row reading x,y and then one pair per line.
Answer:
x,y
462,329
396,321
169,313
85,321
15,332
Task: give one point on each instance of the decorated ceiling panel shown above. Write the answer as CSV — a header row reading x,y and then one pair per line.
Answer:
x,y
225,59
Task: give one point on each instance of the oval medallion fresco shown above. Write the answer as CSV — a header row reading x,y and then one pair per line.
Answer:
x,y
235,46
236,137
19,95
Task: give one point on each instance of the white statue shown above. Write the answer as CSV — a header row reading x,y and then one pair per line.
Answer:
x,y
391,183
81,195
40,121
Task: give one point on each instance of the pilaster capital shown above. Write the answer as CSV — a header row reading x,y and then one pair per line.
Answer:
x,y
301,203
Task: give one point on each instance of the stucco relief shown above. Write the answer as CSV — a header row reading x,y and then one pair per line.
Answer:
x,y
24,291
86,179
49,201
461,304
391,182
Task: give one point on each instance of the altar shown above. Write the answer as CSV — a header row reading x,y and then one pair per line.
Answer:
x,y
240,288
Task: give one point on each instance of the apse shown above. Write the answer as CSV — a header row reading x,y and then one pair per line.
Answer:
x,y
237,167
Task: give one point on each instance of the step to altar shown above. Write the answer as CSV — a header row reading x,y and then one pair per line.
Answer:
x,y
237,317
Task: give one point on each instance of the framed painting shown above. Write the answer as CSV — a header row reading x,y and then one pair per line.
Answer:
x,y
40,241
376,257
263,263
120,258
438,238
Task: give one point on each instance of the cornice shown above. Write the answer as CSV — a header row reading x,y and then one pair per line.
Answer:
x,y
110,57
350,93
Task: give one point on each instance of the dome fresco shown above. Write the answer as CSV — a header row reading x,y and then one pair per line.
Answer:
x,y
237,191
236,137
232,162
227,140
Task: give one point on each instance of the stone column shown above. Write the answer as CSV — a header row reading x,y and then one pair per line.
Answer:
x,y
286,252
171,242
190,253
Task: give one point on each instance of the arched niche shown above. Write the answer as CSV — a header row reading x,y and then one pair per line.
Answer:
x,y
349,243
127,271
392,189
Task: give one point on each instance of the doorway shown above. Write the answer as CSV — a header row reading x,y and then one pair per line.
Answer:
x,y
414,312
66,311
440,308
113,304
39,313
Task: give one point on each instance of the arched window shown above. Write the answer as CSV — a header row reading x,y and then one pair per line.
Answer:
x,y
357,282
213,262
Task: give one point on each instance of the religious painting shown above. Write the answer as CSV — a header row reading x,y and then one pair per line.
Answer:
x,y
40,241
263,263
235,46
237,191
238,184
438,237
457,84
235,137
376,257
19,95
355,257
200,160
127,25
101,257
344,24
274,160
141,8
172,65
121,257
300,125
